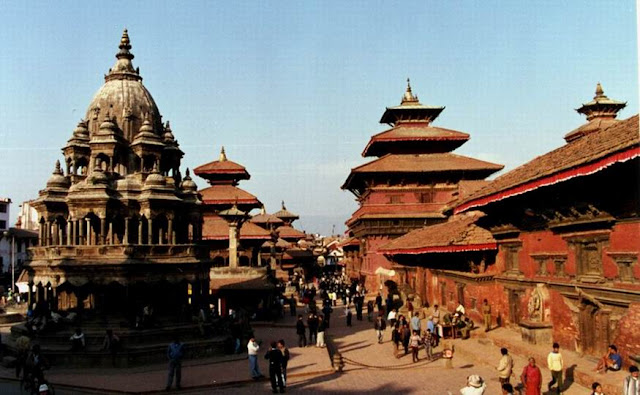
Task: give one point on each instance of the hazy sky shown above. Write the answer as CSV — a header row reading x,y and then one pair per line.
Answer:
x,y
294,90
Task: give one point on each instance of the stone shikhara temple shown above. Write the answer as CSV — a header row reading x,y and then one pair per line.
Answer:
x,y
119,226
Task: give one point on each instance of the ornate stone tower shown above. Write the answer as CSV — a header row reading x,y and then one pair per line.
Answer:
x,y
118,229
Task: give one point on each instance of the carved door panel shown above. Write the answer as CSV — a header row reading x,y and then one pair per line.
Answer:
x,y
589,328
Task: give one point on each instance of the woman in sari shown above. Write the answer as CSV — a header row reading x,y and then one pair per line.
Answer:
x,y
531,378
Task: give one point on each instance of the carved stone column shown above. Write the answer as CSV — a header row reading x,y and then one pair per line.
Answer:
x,y
102,237
140,231
69,226
125,238
170,237
233,245
89,232
150,230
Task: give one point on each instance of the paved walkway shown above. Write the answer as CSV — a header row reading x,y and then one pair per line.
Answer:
x,y
196,374
369,367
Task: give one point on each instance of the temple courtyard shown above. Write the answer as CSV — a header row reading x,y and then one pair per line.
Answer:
x,y
368,367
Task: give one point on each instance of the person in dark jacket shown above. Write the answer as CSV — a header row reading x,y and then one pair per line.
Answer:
x,y
312,323
275,358
175,352
285,361
301,332
406,336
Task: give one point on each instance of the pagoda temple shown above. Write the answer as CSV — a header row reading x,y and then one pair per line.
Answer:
x,y
238,277
118,225
553,244
409,185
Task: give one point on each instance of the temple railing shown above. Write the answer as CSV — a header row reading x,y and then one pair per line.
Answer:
x,y
106,251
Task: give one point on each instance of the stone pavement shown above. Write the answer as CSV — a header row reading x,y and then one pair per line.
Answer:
x,y
369,367
197,375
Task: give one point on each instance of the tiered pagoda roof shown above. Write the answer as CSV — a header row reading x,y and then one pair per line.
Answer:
x,y
223,175
222,171
414,150
265,219
287,216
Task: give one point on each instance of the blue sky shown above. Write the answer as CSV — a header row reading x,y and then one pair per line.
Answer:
x,y
294,90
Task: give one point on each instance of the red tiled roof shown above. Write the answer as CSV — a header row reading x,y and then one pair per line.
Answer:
x,y
221,167
216,228
458,234
406,132
228,194
288,232
422,163
586,155
266,219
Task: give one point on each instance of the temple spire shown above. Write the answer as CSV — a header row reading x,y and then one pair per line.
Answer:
x,y
223,155
601,106
58,169
123,69
408,95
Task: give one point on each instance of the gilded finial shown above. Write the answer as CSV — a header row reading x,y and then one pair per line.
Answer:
x,y
283,207
187,177
223,155
58,169
599,90
408,95
124,41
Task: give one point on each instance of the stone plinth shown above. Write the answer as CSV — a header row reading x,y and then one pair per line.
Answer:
x,y
536,332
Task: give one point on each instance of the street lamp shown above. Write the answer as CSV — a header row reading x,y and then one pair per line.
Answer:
x,y
13,267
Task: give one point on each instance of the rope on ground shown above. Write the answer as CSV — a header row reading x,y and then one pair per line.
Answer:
x,y
387,367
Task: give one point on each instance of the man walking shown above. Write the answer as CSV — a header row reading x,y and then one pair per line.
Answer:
x,y
631,384
252,351
312,323
285,361
555,364
175,352
505,366
380,325
428,340
301,332
275,368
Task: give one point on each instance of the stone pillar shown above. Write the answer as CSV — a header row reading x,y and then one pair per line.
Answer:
x,y
40,230
69,226
170,236
160,236
110,233
150,231
52,233
102,237
89,232
125,238
190,233
233,245
80,232
140,231
60,235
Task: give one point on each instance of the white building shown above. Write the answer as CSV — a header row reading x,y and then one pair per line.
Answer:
x,y
28,217
5,204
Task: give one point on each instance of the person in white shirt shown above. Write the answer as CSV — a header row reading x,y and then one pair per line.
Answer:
x,y
631,384
391,317
252,351
460,309
556,365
